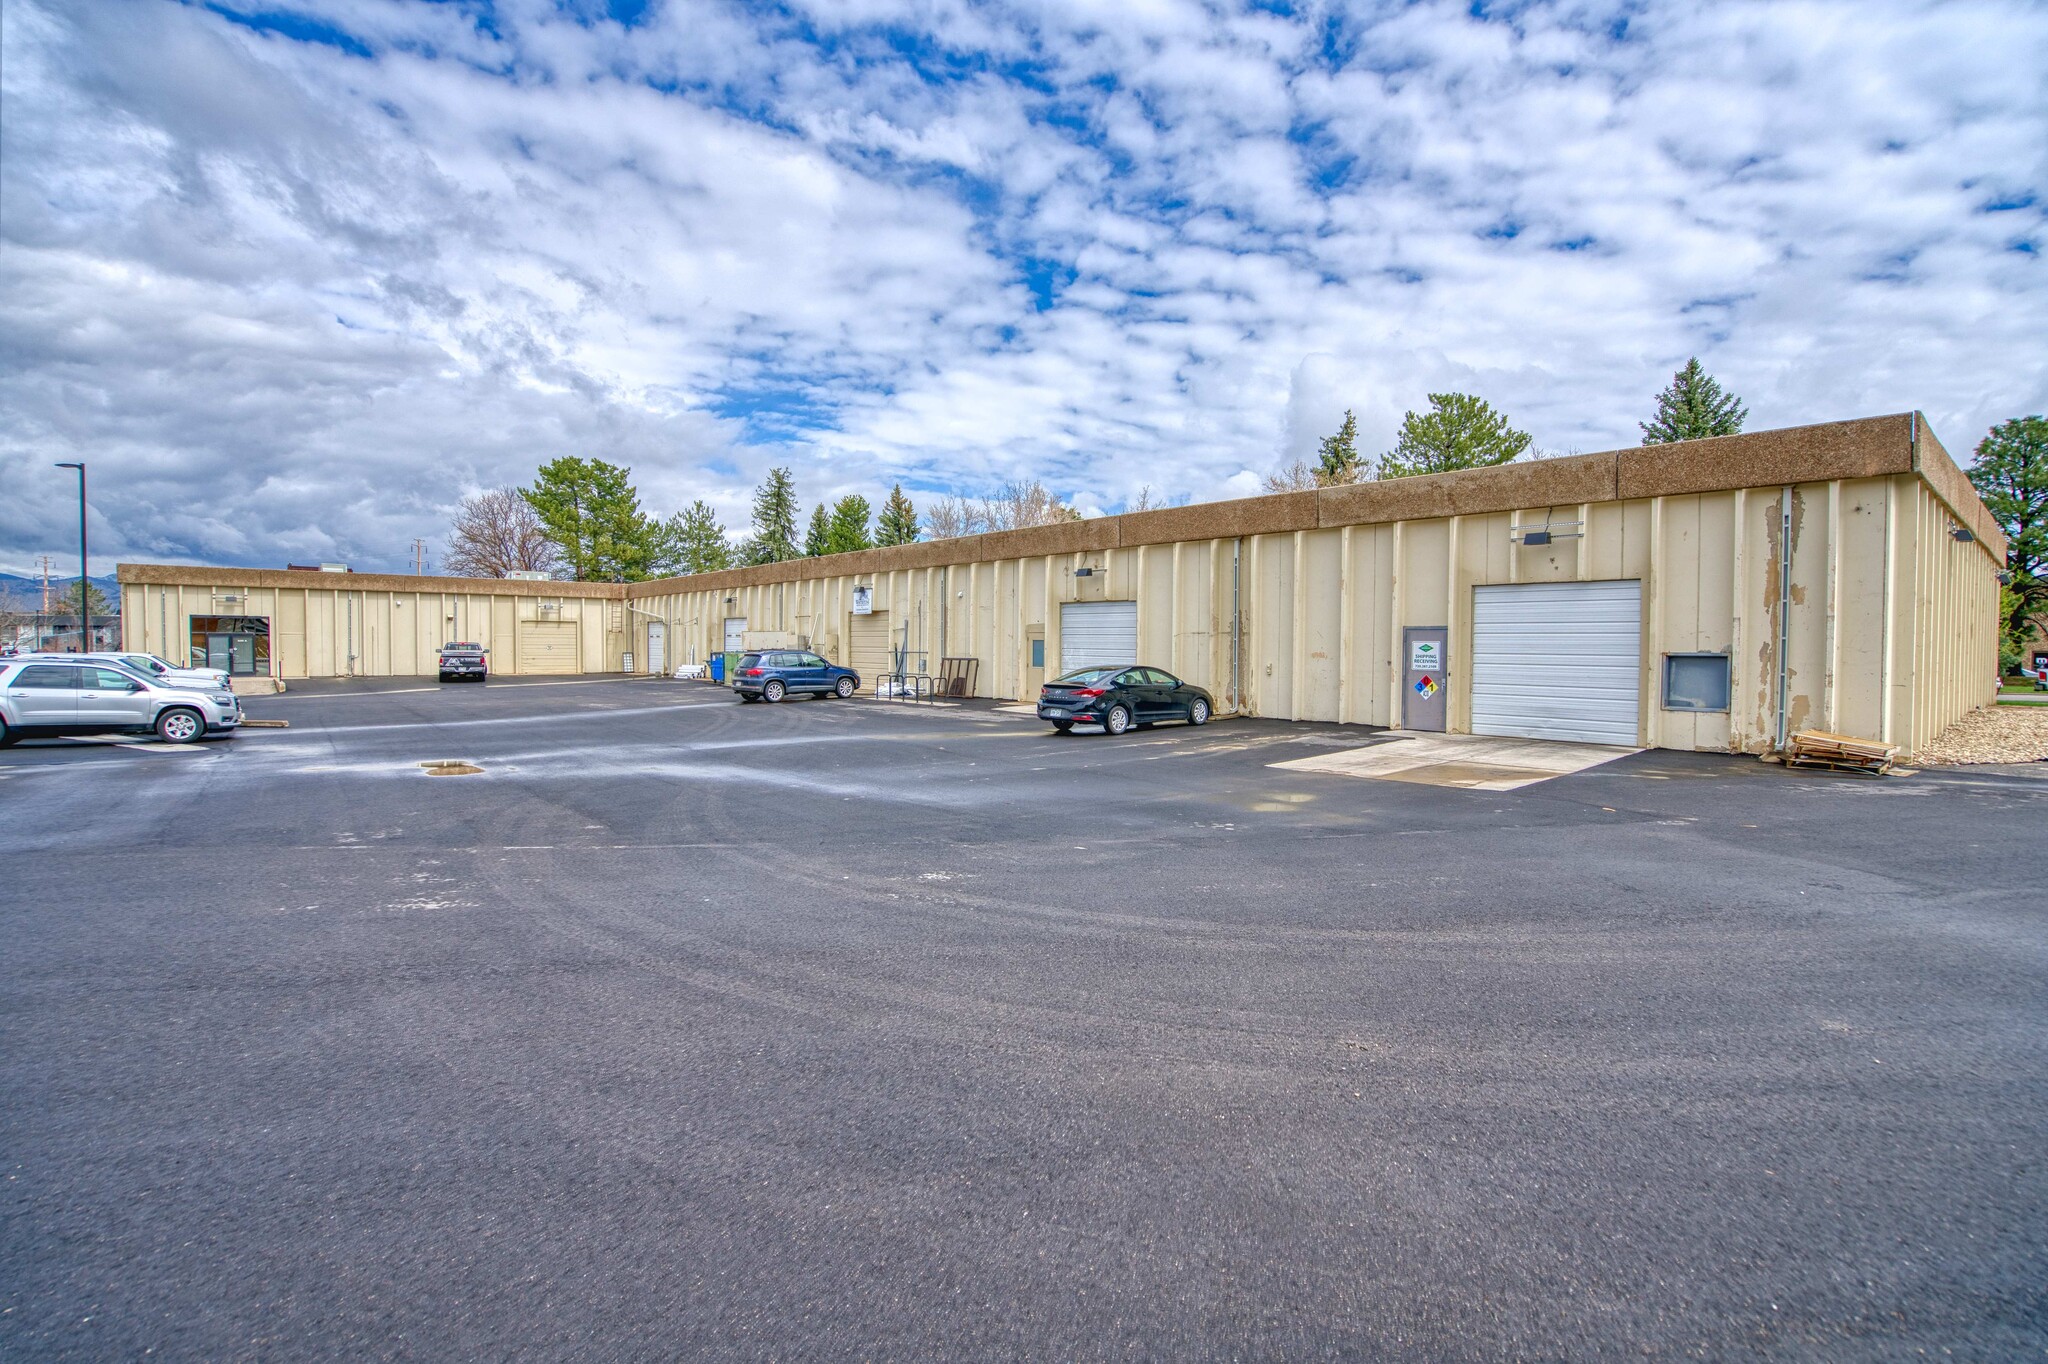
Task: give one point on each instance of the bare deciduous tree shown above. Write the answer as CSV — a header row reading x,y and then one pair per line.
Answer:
x,y
1298,477
948,518
496,533
1015,506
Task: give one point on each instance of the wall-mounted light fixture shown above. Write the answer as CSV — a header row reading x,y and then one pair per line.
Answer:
x,y
1964,534
1545,532
1084,572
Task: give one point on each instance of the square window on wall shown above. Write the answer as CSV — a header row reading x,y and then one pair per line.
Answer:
x,y
1696,682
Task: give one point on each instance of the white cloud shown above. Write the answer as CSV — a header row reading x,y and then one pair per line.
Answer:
x,y
292,301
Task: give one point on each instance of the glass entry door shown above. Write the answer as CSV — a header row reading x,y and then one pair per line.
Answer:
x,y
218,652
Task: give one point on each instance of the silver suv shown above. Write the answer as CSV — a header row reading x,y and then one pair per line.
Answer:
x,y
149,667
40,696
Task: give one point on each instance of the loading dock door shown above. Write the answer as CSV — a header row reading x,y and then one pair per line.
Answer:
x,y
1558,661
867,648
1092,632
548,646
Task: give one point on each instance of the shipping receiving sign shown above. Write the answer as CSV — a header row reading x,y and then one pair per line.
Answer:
x,y
1424,656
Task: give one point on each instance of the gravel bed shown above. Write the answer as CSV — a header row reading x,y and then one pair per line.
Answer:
x,y
1998,734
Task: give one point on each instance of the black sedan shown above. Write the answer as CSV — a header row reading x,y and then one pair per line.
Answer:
x,y
1117,698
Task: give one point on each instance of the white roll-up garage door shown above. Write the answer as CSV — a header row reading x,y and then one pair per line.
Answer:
x,y
868,649
1097,632
1558,661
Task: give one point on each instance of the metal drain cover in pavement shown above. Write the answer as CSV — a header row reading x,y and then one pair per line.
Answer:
x,y
450,767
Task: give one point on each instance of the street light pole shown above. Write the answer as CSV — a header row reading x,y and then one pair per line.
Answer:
x,y
84,568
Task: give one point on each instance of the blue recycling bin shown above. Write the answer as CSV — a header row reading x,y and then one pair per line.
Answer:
x,y
718,667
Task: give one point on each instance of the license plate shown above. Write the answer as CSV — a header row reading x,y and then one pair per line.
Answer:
x,y
1054,710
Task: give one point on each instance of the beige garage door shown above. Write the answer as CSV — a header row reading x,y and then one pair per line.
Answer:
x,y
868,649
548,647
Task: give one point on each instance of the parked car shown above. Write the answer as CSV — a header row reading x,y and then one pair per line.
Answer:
x,y
1118,697
461,662
42,697
158,670
772,674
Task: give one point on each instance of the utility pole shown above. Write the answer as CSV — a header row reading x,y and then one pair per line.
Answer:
x,y
43,615
419,557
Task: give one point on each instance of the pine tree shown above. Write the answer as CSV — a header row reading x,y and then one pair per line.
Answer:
x,y
849,527
818,538
1458,432
898,525
774,520
2011,475
695,541
1693,407
1337,460
590,510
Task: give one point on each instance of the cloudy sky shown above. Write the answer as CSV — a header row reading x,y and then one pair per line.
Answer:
x,y
295,277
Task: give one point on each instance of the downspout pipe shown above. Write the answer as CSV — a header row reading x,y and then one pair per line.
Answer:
x,y
1236,631
1784,615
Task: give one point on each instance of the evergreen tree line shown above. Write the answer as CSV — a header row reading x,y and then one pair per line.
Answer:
x,y
582,519
1460,431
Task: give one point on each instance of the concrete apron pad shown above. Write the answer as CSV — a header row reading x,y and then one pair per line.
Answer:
x,y
1473,762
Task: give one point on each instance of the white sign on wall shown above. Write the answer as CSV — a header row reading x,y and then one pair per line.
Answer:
x,y
1425,657
863,601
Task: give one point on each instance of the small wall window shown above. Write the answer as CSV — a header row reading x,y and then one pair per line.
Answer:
x,y
1695,681
1038,651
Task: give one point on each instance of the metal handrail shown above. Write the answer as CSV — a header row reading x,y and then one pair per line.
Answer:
x,y
909,686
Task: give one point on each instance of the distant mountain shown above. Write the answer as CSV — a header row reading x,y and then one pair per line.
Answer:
x,y
15,585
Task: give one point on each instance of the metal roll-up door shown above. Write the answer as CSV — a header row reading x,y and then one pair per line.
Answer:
x,y
548,647
1558,661
1097,632
867,648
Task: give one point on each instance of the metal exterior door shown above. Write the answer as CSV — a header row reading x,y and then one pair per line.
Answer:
x,y
1558,661
735,634
1425,677
1098,632
657,647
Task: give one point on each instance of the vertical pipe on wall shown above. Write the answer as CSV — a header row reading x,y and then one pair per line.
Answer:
x,y
1738,639
1345,671
1236,629
1831,718
1784,661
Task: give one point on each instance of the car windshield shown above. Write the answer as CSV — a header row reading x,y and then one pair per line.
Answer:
x,y
145,663
1089,676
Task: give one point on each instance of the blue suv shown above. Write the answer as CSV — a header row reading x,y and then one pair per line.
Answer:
x,y
773,674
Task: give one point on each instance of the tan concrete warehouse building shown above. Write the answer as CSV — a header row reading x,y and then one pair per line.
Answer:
x,y
1640,596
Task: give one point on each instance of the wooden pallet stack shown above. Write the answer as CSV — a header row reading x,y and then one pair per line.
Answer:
x,y
1818,748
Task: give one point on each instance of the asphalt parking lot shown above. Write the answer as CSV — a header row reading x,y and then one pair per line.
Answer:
x,y
850,1030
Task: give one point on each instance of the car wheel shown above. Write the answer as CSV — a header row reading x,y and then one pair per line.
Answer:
x,y
844,688
774,691
7,736
180,725
1062,726
1117,721
1198,712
